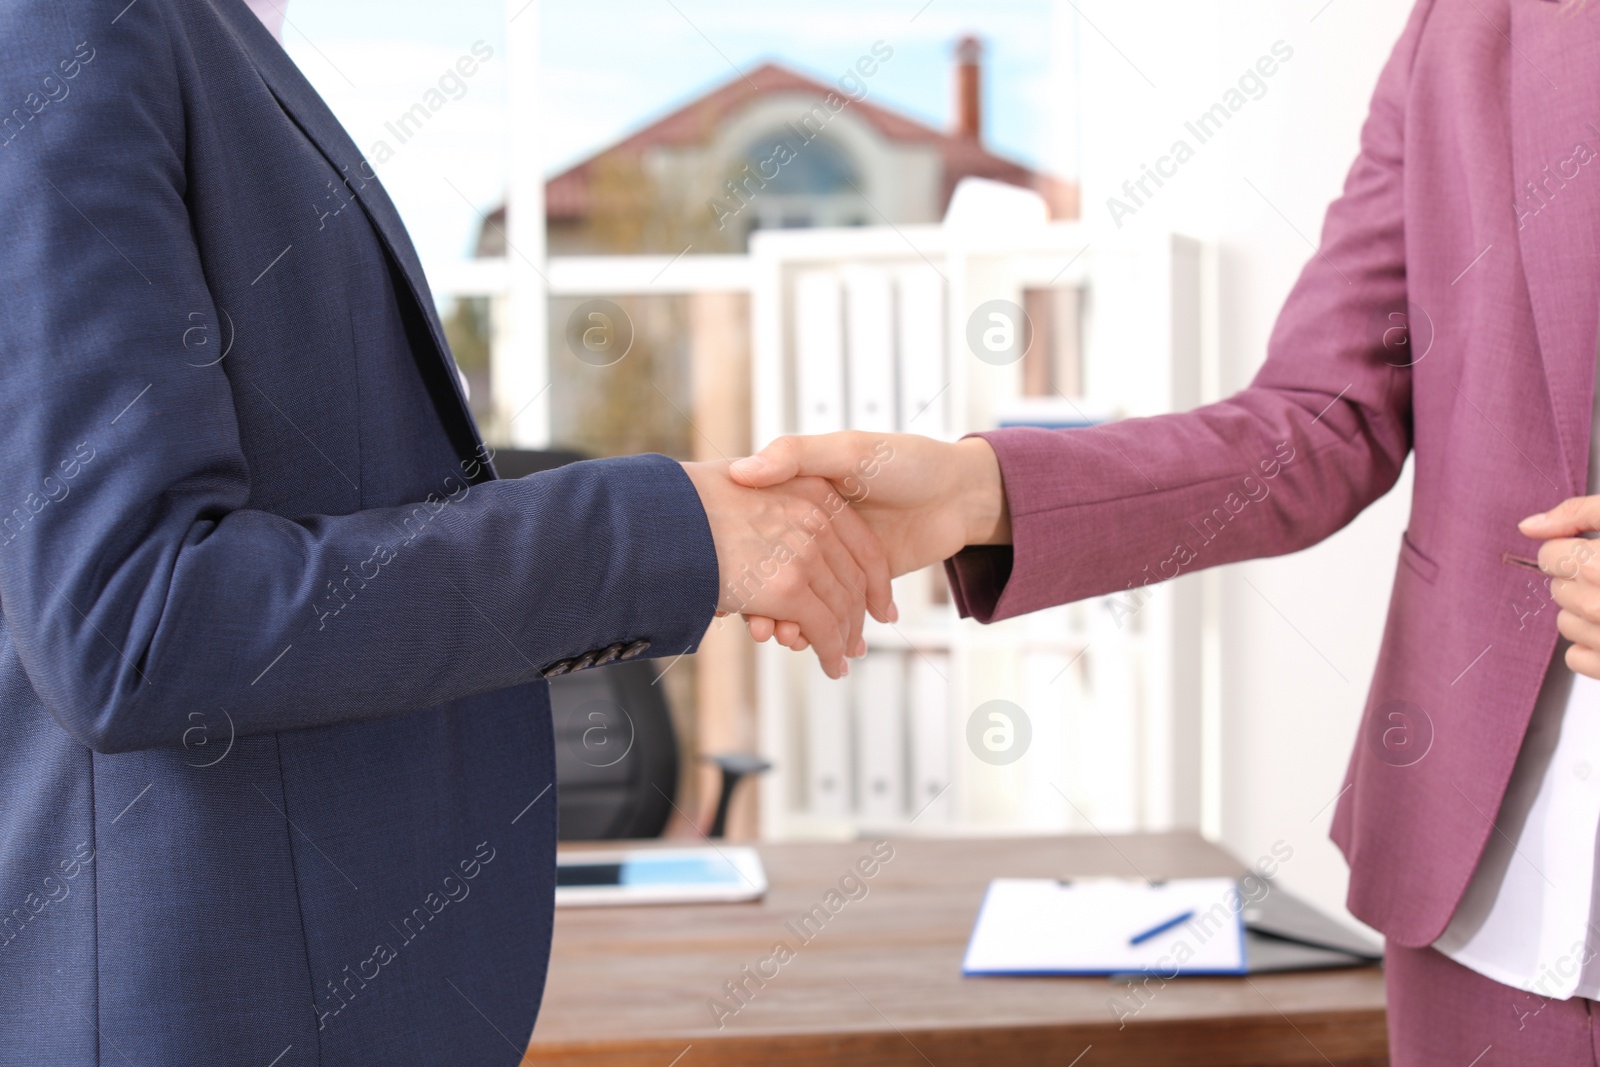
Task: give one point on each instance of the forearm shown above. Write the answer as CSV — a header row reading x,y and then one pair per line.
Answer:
x,y
126,625
1101,510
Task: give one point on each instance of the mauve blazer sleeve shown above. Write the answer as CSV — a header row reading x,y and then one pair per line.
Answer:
x,y
141,587
1321,432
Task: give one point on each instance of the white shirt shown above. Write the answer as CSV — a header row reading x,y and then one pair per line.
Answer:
x,y
270,12
1528,918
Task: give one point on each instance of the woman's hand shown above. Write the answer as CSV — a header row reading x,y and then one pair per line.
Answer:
x,y
1573,564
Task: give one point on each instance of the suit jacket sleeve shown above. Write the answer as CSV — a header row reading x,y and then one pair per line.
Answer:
x,y
1321,432
137,584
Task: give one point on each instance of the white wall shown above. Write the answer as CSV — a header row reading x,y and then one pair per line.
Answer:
x,y
1298,636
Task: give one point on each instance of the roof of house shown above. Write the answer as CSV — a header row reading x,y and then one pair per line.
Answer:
x,y
567,194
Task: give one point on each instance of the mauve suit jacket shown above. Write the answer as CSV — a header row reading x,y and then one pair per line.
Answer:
x,y
1473,208
276,784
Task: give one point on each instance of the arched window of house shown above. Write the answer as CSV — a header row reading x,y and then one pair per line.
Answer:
x,y
803,168
793,183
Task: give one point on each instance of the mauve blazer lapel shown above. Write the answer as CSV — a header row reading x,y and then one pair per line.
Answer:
x,y
1555,137
302,104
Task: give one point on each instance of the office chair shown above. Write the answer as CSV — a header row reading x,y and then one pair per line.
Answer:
x,y
616,749
616,753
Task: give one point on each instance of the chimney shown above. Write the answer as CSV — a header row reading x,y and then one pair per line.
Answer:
x,y
969,88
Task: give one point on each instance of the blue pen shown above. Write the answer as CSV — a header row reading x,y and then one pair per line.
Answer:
x,y
1154,931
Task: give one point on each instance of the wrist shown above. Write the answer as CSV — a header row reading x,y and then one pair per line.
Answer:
x,y
985,514
701,477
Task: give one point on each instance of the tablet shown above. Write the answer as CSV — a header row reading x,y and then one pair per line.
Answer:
x,y
659,876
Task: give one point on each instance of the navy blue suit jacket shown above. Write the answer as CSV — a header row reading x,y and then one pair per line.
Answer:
x,y
276,784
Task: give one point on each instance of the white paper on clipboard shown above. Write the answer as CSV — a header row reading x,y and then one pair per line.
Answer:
x,y
1041,926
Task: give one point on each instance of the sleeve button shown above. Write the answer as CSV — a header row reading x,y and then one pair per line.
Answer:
x,y
635,650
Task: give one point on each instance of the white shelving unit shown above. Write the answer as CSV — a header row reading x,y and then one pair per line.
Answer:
x,y
1113,705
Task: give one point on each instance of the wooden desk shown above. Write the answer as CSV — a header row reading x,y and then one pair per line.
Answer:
x,y
881,982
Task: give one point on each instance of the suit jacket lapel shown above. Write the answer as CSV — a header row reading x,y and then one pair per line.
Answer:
x,y
302,104
1555,134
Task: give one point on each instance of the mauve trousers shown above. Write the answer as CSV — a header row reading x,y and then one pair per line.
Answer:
x,y
1443,1015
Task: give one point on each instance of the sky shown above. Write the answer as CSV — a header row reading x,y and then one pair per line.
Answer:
x,y
608,67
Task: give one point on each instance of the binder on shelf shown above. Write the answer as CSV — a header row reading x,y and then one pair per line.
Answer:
x,y
869,355
828,744
930,727
924,374
819,352
879,692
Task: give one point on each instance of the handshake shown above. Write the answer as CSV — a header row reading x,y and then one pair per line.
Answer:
x,y
810,530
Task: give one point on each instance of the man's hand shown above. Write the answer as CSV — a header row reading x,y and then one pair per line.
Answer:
x,y
796,552
1573,564
924,499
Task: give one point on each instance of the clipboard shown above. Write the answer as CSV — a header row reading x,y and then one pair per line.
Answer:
x,y
1185,926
